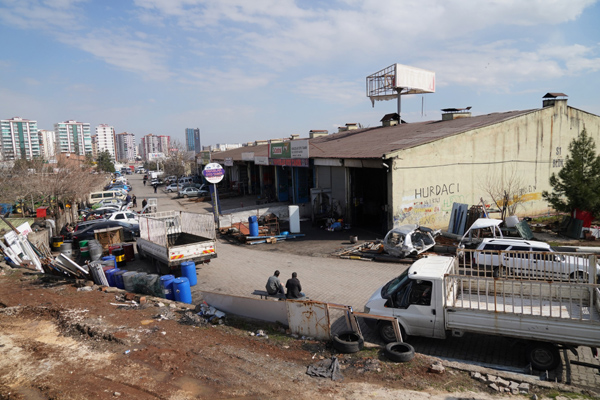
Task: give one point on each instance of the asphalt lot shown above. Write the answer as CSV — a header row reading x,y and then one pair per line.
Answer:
x,y
241,269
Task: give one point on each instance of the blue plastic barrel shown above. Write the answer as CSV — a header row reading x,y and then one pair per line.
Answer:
x,y
109,259
253,222
182,290
118,277
166,282
188,269
110,276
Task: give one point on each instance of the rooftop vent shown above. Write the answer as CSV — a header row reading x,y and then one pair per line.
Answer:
x,y
349,127
294,136
455,113
317,133
551,98
390,119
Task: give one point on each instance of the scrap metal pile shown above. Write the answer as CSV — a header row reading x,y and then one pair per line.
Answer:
x,y
399,243
265,230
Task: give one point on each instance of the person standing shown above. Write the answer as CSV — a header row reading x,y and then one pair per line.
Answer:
x,y
134,200
144,203
294,289
274,286
155,186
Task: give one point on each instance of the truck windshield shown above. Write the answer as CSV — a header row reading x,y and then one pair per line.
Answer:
x,y
393,285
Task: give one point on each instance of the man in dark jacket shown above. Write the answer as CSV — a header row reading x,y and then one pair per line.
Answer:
x,y
294,289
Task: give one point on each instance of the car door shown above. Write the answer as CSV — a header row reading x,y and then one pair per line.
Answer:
x,y
415,304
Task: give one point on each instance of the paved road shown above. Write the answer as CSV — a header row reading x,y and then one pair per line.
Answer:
x,y
239,270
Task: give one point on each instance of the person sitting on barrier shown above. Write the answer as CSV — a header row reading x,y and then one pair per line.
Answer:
x,y
294,289
274,286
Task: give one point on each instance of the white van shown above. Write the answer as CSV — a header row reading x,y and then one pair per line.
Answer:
x,y
185,180
95,197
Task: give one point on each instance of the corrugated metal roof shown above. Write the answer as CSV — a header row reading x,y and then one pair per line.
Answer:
x,y
379,141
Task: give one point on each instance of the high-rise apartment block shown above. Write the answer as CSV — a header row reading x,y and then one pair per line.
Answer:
x,y
192,140
47,144
126,149
154,144
73,137
105,138
19,139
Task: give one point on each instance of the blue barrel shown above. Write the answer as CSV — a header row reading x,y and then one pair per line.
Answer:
x,y
188,269
253,222
110,276
118,277
166,282
182,290
108,259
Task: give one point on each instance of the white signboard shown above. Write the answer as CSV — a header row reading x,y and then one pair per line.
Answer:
x,y
299,148
228,162
155,156
213,172
258,160
248,156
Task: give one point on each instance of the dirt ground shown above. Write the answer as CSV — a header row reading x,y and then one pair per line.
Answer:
x,y
60,341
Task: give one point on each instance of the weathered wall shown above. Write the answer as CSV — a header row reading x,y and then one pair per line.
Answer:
x,y
428,179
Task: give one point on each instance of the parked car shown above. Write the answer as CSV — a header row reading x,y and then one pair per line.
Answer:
x,y
85,224
171,179
189,192
530,258
110,202
99,213
173,187
124,216
130,231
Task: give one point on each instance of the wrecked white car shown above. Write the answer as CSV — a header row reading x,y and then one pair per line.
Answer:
x,y
409,240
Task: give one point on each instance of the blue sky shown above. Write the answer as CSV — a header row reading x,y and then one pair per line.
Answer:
x,y
242,70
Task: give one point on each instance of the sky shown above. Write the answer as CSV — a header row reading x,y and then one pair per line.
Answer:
x,y
246,70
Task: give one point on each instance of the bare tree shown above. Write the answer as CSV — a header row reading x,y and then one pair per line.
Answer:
x,y
179,161
35,182
505,188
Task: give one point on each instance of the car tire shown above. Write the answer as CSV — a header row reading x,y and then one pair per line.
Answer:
x,y
185,196
386,332
348,342
543,356
581,276
399,352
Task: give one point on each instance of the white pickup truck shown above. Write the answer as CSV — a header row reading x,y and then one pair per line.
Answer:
x,y
437,296
172,237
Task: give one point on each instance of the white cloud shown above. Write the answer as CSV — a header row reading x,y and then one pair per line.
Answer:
x,y
332,90
117,48
232,79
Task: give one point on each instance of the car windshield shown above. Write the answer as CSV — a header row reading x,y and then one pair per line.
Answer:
x,y
394,284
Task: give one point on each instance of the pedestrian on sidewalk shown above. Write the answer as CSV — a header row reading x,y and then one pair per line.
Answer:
x,y
144,203
134,200
155,186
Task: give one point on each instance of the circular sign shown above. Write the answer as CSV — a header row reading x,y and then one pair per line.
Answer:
x,y
213,172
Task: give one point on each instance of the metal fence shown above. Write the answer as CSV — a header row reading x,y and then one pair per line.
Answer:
x,y
473,285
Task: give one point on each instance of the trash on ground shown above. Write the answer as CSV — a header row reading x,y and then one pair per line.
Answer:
x,y
329,368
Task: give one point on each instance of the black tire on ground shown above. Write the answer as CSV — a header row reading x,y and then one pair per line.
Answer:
x,y
185,196
399,352
543,356
348,342
386,332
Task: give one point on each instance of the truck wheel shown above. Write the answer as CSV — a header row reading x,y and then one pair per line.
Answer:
x,y
386,331
581,276
348,342
543,356
399,352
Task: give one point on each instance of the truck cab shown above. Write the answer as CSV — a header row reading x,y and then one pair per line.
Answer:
x,y
415,299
